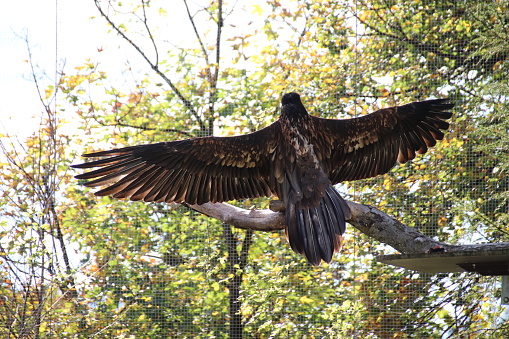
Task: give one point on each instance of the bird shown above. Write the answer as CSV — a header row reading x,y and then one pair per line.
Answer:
x,y
297,159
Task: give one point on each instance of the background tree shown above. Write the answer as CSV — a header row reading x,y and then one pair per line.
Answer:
x,y
37,281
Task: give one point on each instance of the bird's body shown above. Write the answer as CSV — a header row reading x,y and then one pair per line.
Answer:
x,y
297,158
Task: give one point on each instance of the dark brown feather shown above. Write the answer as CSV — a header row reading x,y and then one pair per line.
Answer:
x,y
394,133
298,158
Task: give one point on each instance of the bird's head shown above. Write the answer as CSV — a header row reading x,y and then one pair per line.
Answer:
x,y
292,107
291,98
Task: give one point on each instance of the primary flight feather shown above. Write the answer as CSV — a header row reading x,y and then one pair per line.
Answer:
x,y
297,158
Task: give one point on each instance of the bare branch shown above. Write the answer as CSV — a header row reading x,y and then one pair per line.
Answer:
x,y
367,219
257,220
218,42
143,6
200,41
214,77
246,244
155,67
144,128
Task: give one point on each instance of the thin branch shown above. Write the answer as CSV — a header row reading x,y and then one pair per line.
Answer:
x,y
144,128
375,96
417,43
213,78
118,122
200,41
467,61
187,103
220,24
246,244
149,32
299,41
230,241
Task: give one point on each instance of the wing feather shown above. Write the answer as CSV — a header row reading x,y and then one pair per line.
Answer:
x,y
169,190
159,186
370,145
111,172
104,162
194,170
182,188
191,189
139,187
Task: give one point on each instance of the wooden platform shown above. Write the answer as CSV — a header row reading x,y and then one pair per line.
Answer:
x,y
492,262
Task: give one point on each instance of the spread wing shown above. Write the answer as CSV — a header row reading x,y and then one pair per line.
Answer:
x,y
196,171
370,145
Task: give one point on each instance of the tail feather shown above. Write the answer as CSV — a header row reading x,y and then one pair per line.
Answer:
x,y
321,232
334,232
316,232
310,237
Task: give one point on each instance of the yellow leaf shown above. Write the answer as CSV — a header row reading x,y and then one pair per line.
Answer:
x,y
43,326
48,93
257,9
363,16
306,300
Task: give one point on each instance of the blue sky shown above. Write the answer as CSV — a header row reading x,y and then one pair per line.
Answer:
x,y
63,34
66,36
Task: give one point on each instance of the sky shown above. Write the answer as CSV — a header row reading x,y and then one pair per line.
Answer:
x,y
54,36
61,36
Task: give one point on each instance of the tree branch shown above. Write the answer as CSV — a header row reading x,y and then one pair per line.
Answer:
x,y
145,128
367,219
220,24
143,6
198,37
464,61
155,67
256,220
